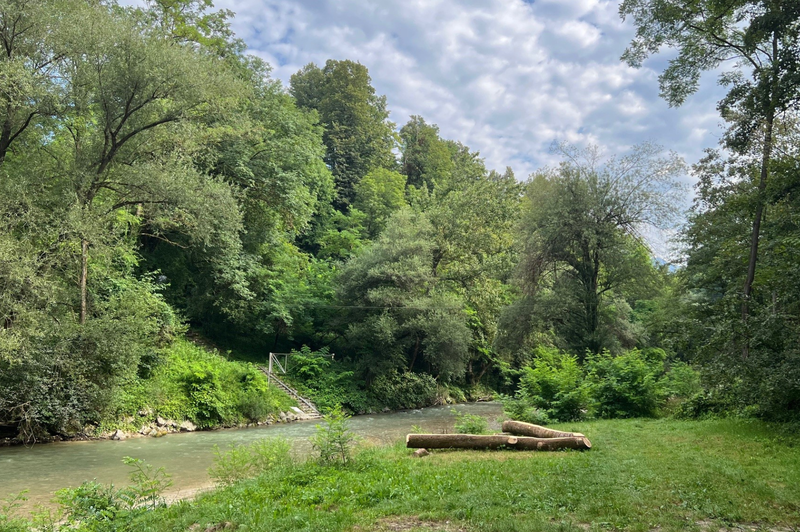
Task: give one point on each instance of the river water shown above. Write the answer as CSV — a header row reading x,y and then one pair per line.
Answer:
x,y
42,469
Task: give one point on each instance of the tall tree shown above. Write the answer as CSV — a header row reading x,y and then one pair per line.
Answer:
x,y
580,234
358,134
761,37
426,158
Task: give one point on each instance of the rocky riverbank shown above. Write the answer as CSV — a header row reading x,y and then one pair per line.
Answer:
x,y
147,426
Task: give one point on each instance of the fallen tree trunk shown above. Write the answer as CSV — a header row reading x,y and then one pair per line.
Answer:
x,y
472,441
527,429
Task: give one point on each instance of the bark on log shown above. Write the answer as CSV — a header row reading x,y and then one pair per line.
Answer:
x,y
471,441
527,429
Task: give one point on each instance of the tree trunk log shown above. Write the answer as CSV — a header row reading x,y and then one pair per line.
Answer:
x,y
471,441
527,429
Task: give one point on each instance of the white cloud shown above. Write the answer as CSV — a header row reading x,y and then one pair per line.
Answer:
x,y
506,77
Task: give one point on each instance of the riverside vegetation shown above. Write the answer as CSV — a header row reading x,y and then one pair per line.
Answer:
x,y
640,475
155,179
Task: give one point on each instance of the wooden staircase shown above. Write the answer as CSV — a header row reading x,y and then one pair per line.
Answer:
x,y
304,404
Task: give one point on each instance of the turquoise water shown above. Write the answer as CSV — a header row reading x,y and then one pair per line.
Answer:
x,y
42,469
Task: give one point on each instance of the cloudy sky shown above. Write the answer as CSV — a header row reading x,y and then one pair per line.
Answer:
x,y
506,77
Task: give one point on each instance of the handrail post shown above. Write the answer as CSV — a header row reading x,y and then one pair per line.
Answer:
x,y
269,373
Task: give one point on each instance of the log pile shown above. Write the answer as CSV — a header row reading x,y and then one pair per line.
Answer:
x,y
523,436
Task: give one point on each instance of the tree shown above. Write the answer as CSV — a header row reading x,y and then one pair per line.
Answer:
x,y
426,159
358,136
762,37
379,194
708,313
109,161
581,249
395,301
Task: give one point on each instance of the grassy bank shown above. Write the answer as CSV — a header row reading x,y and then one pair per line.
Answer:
x,y
190,382
640,475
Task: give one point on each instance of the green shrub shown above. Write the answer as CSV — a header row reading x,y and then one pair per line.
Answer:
x,y
247,461
209,405
470,424
682,380
328,384
521,410
333,440
555,385
202,386
627,385
97,507
702,404
405,390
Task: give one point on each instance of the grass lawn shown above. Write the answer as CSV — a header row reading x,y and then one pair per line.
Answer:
x,y
640,475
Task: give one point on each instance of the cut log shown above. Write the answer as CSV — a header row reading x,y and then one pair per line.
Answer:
x,y
528,429
472,441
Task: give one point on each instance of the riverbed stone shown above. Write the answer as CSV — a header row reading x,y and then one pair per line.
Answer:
x,y
119,435
188,426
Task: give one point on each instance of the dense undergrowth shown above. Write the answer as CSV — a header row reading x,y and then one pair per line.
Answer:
x,y
636,383
641,474
189,382
331,383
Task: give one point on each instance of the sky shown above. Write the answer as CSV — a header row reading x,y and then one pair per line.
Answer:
x,y
505,77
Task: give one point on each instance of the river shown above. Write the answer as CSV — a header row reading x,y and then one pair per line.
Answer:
x,y
42,469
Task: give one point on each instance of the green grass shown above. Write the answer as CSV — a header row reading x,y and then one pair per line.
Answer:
x,y
640,475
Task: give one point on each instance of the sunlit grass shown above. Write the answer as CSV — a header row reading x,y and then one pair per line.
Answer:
x,y
640,475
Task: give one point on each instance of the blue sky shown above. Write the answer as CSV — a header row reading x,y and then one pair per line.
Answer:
x,y
506,77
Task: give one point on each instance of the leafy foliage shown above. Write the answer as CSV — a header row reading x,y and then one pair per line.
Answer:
x,y
247,461
555,385
470,424
333,441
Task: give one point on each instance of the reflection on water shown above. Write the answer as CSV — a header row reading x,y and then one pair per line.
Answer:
x,y
42,469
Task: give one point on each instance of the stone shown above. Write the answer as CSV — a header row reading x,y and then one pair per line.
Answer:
x,y
118,435
187,426
145,412
161,422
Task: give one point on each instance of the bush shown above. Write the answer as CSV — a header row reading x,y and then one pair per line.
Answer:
x,y
405,390
93,506
333,440
521,410
247,461
628,385
702,404
328,384
470,424
201,386
682,380
554,385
